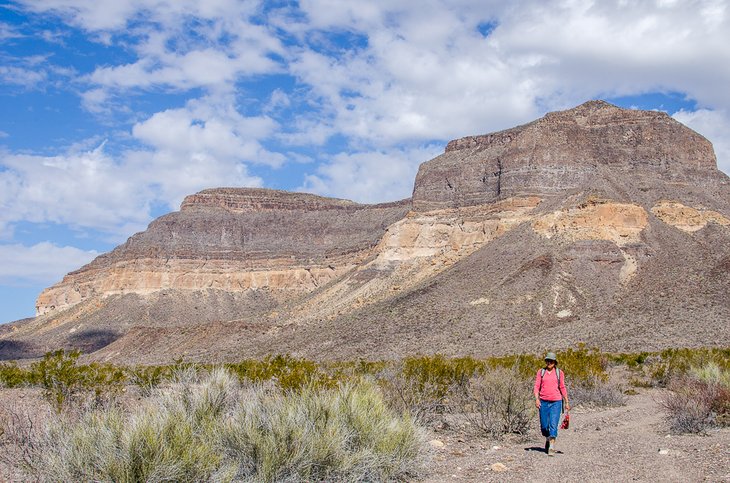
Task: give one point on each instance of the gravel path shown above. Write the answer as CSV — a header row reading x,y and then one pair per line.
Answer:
x,y
629,443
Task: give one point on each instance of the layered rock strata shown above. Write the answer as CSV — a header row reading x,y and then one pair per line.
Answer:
x,y
563,151
234,240
595,224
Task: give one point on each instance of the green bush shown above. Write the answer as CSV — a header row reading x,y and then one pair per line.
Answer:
x,y
13,376
658,368
210,428
148,378
287,371
62,378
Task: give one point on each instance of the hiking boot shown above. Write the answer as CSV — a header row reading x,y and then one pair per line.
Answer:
x,y
547,445
551,447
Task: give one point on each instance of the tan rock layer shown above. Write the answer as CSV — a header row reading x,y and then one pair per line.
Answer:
x,y
416,248
686,218
620,223
151,275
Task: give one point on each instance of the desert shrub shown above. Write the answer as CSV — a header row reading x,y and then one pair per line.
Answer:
x,y
62,378
287,371
669,364
631,360
498,402
579,364
441,372
422,400
210,428
423,385
699,399
345,434
147,378
525,364
711,373
19,440
13,376
583,365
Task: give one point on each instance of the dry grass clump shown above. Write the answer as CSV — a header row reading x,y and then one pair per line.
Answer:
x,y
699,400
211,428
597,392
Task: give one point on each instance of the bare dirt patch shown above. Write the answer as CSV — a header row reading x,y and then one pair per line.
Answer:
x,y
628,443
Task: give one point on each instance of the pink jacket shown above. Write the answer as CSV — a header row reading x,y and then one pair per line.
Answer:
x,y
548,390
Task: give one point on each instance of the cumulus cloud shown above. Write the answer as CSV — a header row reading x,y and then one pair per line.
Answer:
x,y
79,188
204,145
715,126
43,263
422,79
384,75
370,177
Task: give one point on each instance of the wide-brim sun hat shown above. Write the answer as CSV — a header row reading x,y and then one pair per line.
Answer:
x,y
550,356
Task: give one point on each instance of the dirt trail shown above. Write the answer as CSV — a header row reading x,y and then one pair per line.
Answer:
x,y
629,443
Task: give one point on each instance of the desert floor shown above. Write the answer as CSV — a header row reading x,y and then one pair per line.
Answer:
x,y
628,443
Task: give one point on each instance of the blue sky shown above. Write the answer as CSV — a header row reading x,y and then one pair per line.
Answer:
x,y
112,112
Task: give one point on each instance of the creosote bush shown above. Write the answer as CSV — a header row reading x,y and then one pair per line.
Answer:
x,y
289,372
659,368
209,427
62,378
12,376
498,402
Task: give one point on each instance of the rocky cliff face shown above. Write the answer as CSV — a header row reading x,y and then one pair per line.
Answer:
x,y
234,240
596,224
564,151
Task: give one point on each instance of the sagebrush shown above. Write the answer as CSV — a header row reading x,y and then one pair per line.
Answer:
x,y
211,428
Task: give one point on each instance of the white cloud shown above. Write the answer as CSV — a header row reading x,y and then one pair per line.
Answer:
x,y
80,188
43,263
7,32
20,76
204,145
3,134
715,126
370,177
409,73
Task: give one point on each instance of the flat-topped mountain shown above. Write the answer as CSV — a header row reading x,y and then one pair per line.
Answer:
x,y
596,224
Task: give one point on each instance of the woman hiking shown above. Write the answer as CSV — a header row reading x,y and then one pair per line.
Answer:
x,y
550,392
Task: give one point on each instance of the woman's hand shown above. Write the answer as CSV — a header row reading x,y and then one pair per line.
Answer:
x,y
537,403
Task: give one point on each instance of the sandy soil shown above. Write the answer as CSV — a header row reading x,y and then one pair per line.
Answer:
x,y
629,443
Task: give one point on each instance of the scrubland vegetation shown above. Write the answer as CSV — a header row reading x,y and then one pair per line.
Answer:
x,y
283,418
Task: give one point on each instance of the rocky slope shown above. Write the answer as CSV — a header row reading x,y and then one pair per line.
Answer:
x,y
595,224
